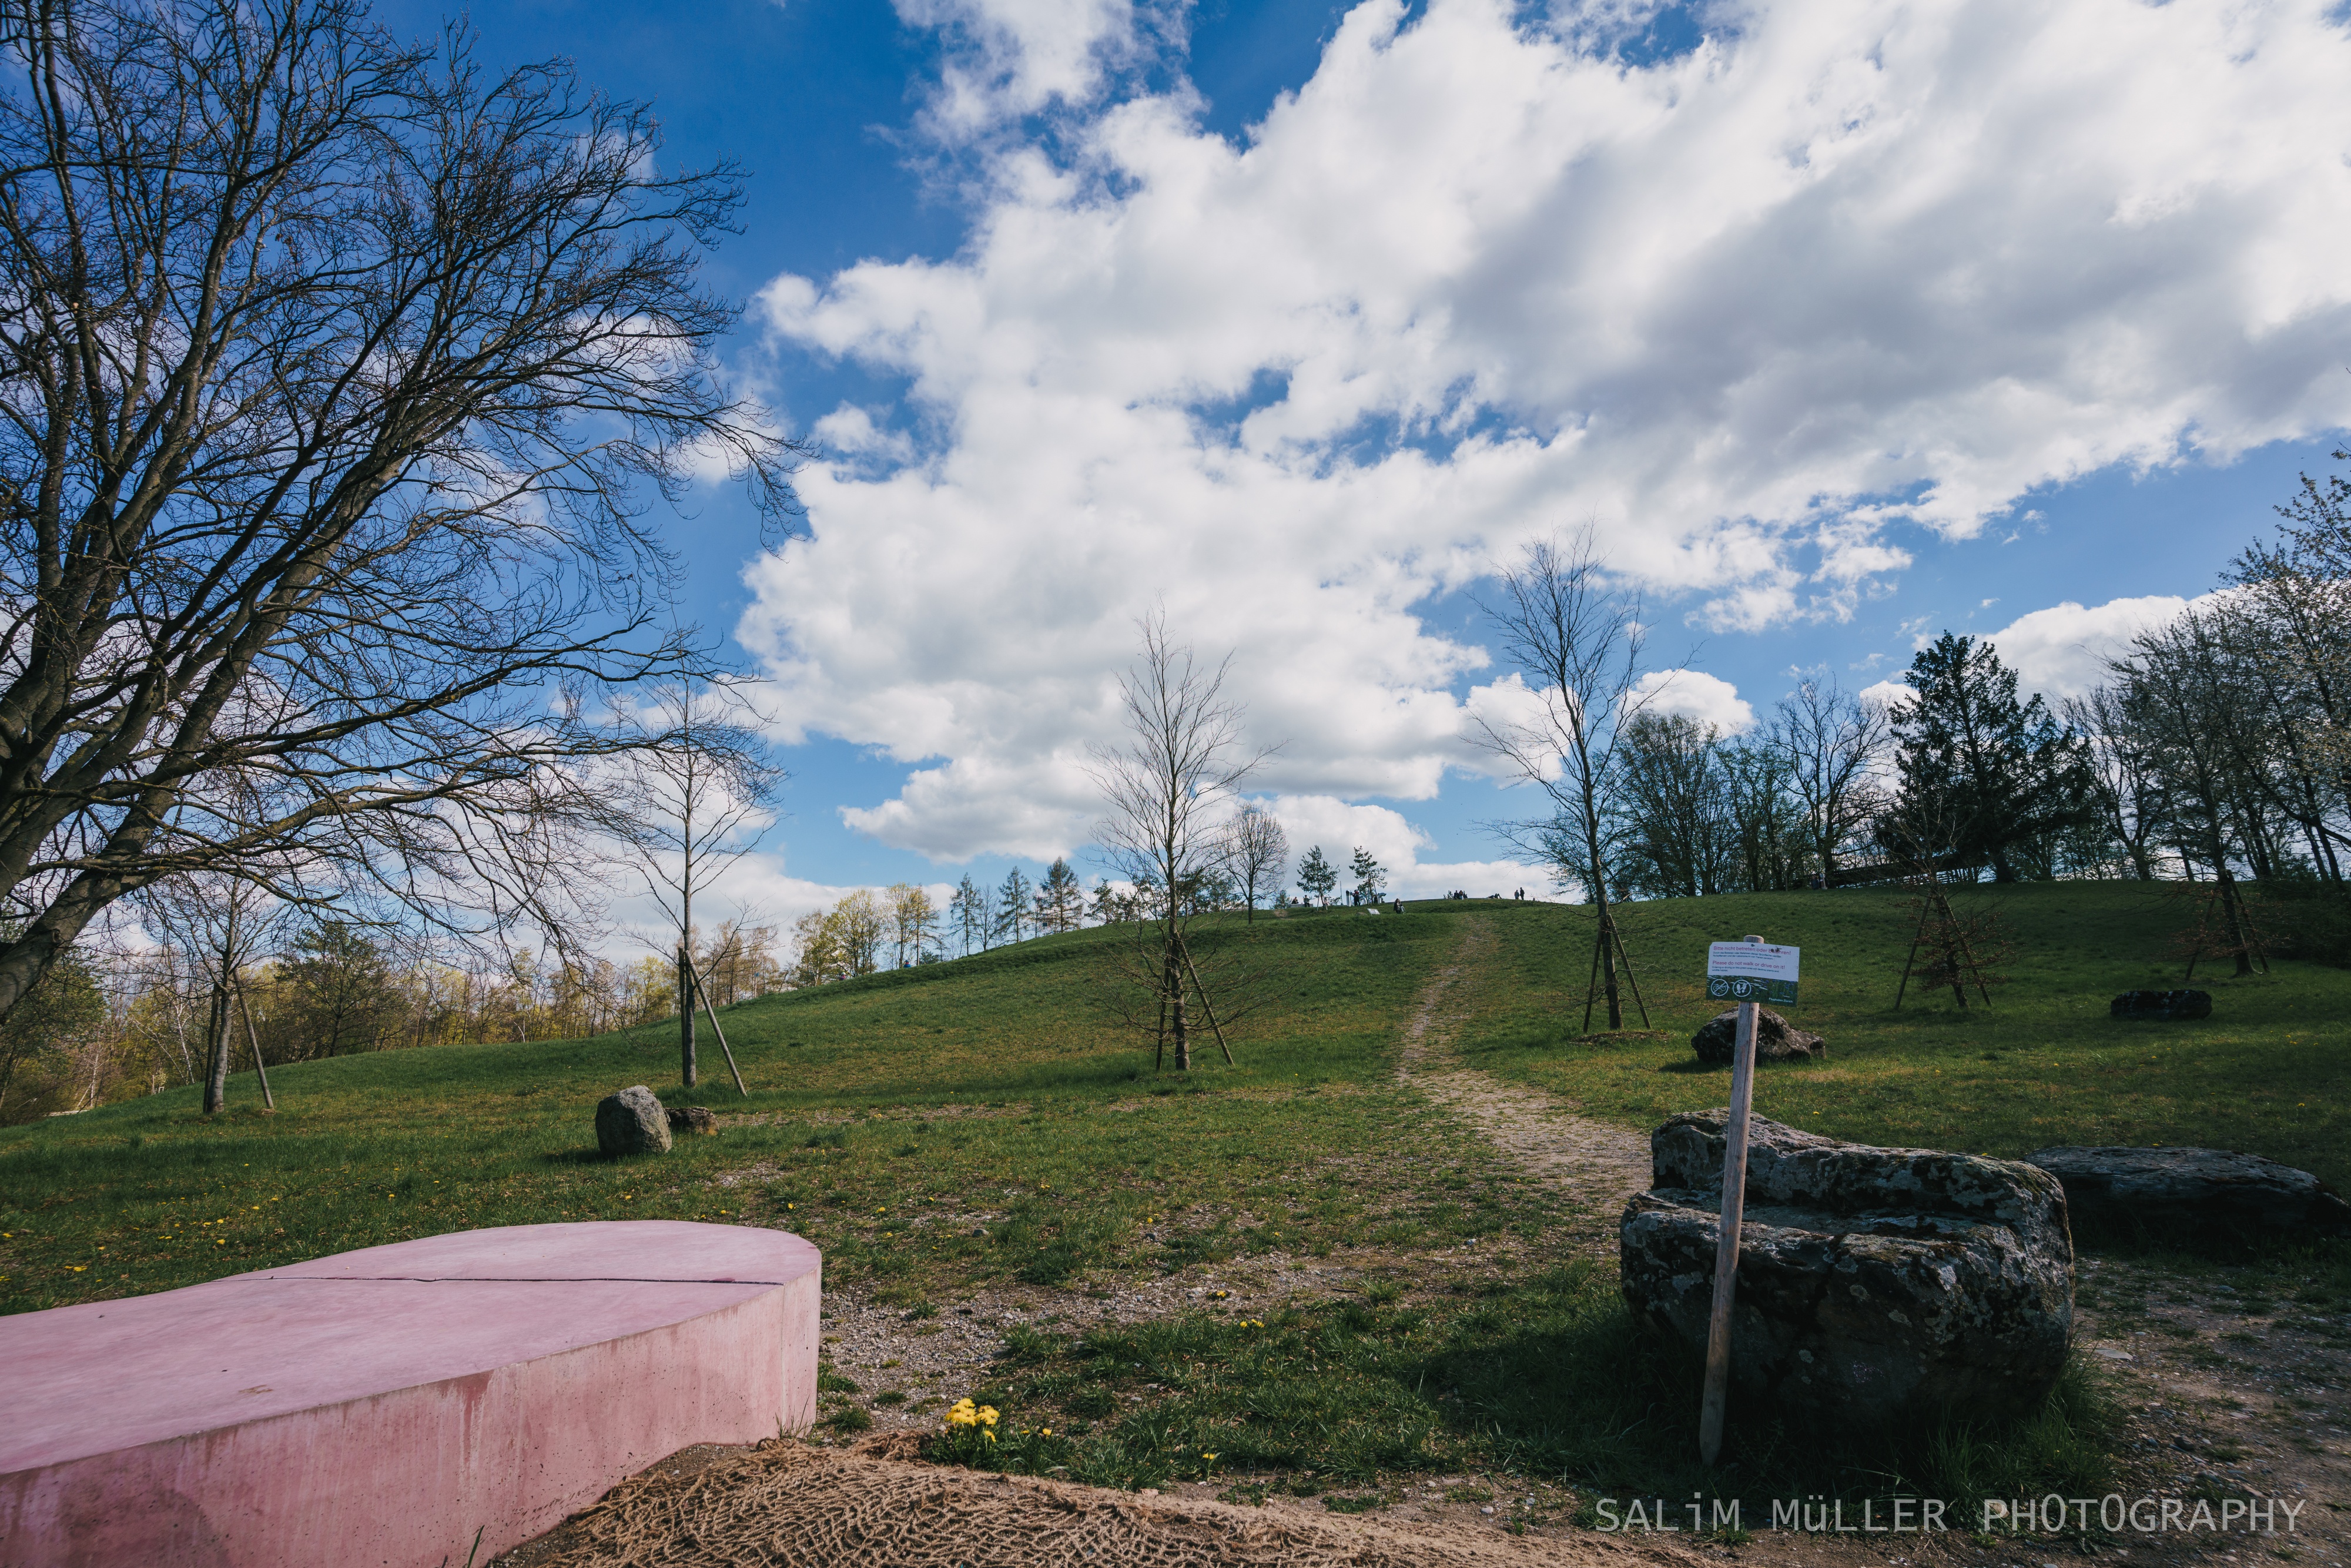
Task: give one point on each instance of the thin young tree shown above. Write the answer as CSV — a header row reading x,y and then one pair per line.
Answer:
x,y
694,800
220,922
341,374
967,914
1578,638
1371,877
1167,790
913,921
1260,854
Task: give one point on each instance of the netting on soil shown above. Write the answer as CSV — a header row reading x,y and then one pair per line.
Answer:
x,y
784,1502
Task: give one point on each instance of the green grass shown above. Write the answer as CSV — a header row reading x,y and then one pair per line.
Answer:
x,y
986,1122
885,1115
1543,1375
2269,1072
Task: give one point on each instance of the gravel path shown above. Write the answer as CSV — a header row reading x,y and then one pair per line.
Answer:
x,y
1593,1165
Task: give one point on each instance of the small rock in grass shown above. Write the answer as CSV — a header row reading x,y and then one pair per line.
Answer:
x,y
631,1123
692,1119
1775,1039
2161,1005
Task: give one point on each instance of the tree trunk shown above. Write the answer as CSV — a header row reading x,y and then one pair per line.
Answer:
x,y
1183,1038
216,1071
686,1018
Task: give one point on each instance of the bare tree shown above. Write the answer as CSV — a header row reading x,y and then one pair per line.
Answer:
x,y
1833,743
1579,639
697,801
1167,790
340,375
2179,691
1258,853
220,921
2128,792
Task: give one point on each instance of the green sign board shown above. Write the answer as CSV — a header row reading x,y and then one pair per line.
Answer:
x,y
1747,988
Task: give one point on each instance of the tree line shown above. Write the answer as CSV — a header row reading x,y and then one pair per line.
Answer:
x,y
2216,749
119,1020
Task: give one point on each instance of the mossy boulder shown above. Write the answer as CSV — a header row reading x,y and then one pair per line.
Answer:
x,y
1874,1284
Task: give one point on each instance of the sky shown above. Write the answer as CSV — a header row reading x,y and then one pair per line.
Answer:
x,y
1838,324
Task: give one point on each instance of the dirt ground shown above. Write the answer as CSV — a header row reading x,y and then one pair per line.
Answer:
x,y
2229,1395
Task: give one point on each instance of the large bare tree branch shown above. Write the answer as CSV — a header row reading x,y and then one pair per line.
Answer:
x,y
336,378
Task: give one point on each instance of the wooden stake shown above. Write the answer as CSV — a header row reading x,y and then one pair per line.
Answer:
x,y
704,992
267,1099
1726,1251
1975,970
1629,976
1206,1005
1926,912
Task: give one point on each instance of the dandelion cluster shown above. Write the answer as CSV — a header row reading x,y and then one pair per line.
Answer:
x,y
968,1416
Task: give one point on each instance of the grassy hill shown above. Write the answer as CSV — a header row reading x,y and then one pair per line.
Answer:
x,y
988,1123
1005,1080
2045,1064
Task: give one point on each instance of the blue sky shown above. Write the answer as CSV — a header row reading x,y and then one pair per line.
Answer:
x,y
1840,323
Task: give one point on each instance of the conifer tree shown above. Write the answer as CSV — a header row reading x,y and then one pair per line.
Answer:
x,y
1371,877
1012,912
1316,876
1982,772
1061,900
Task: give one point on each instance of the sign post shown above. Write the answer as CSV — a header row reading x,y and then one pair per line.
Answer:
x,y
1747,972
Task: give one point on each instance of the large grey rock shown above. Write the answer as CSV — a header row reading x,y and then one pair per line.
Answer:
x,y
2163,1006
1873,1283
1776,1039
2187,1193
631,1123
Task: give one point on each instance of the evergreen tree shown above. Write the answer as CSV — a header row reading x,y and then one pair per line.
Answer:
x,y
1316,876
1371,877
1104,903
1012,912
1061,900
1982,774
967,913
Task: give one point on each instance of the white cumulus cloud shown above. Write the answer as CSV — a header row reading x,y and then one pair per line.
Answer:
x,y
1849,266
2061,651
1693,694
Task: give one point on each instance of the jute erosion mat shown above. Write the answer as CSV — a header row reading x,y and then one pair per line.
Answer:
x,y
785,1502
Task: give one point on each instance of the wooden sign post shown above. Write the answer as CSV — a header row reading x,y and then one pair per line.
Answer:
x,y
1747,972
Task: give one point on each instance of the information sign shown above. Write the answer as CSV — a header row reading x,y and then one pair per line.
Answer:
x,y
1750,972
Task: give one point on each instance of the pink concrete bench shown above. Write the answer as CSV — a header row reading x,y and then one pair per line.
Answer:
x,y
382,1407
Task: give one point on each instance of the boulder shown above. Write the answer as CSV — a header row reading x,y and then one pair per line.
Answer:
x,y
2193,1192
1775,1039
1874,1284
631,1123
690,1120
2161,1005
